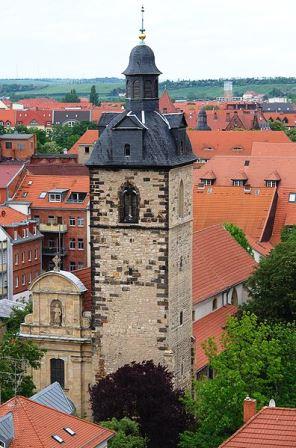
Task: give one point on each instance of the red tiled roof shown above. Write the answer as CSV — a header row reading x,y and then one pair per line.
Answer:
x,y
8,173
88,138
8,115
217,205
29,117
289,118
210,175
263,248
230,142
269,428
273,149
105,107
166,105
35,424
9,216
210,326
285,212
84,275
257,169
219,263
51,104
33,185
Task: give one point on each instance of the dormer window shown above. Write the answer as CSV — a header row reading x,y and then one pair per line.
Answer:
x,y
129,207
55,197
271,183
76,197
207,181
238,182
127,150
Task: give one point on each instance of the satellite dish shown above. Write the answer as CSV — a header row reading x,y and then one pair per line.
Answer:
x,y
272,403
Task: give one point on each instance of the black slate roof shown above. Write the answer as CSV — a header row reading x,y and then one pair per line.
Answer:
x,y
154,141
142,62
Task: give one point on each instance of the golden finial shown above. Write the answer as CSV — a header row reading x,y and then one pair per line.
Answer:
x,y
142,35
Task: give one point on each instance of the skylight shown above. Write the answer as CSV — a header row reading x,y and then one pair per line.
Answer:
x,y
70,431
42,195
57,438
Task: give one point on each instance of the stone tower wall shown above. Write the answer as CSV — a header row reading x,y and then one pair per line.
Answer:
x,y
139,288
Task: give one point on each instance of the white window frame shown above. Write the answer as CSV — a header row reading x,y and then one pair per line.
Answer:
x,y
54,197
17,281
16,259
23,279
270,183
72,244
292,197
73,219
81,241
30,255
80,221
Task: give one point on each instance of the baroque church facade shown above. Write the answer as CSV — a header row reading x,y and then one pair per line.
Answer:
x,y
141,250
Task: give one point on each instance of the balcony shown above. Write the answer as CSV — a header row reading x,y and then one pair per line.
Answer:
x,y
3,267
53,228
52,251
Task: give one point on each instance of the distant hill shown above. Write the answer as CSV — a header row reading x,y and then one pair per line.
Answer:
x,y
108,88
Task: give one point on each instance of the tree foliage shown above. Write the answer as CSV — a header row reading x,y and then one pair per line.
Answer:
x,y
143,392
16,356
71,97
273,284
239,235
127,434
259,360
94,97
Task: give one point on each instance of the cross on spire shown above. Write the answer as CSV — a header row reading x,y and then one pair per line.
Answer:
x,y
142,35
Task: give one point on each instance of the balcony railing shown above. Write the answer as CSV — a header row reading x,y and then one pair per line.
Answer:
x,y
53,227
54,250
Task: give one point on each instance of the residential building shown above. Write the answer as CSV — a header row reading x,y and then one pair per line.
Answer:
x,y
7,118
220,268
18,146
84,146
69,117
40,119
59,201
46,420
271,426
11,175
166,105
21,255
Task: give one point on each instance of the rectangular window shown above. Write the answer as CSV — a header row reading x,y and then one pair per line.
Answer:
x,y
23,279
292,197
270,183
29,255
72,243
71,221
86,149
24,233
16,259
80,221
80,265
77,197
42,195
16,281
35,230
55,197
20,146
51,220
30,278
206,181
15,234
72,266
181,318
23,257
36,254
237,183
80,243
8,145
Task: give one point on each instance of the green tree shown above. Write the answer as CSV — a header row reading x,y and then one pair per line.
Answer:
x,y
259,360
291,133
50,148
277,125
238,234
71,97
17,355
127,434
273,284
93,97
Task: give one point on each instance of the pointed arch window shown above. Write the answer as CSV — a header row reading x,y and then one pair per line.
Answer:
x,y
136,90
129,207
181,200
57,371
148,89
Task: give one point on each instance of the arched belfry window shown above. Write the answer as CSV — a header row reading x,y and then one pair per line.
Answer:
x,y
181,200
129,204
148,89
136,90
129,89
57,371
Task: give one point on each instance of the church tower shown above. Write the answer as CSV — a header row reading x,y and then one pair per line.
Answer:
x,y
141,230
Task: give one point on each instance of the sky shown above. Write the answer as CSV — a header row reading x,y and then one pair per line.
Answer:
x,y
191,39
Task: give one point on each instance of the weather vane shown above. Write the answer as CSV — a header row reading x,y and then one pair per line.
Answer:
x,y
142,35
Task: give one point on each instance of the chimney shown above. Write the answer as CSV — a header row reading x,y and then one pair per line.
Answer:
x,y
249,408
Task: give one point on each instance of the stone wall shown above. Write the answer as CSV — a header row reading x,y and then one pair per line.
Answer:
x,y
139,288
